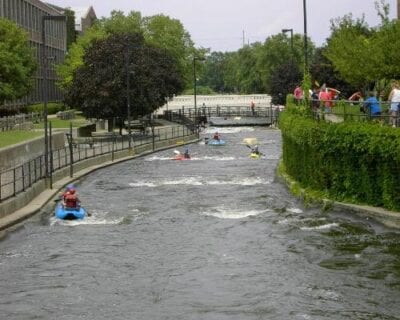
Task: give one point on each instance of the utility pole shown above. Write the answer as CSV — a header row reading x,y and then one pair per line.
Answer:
x,y
305,38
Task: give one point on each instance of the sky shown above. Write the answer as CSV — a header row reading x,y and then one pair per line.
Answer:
x,y
225,25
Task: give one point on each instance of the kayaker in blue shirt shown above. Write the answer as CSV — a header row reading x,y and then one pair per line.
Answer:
x,y
372,105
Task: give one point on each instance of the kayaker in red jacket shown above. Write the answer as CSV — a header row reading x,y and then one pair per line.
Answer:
x,y
71,199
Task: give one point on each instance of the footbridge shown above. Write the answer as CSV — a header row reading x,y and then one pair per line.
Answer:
x,y
237,115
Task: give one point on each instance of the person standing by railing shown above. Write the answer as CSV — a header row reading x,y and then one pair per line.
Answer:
x,y
372,105
394,99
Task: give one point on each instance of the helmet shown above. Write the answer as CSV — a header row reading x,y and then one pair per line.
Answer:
x,y
70,187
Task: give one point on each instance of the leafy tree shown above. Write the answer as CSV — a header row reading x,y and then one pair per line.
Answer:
x,y
71,33
214,71
350,49
169,34
284,79
277,52
100,84
322,71
17,63
159,31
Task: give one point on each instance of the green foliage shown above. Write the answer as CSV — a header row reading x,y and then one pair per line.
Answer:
x,y
284,79
158,31
350,161
71,33
363,55
17,63
52,107
199,90
100,87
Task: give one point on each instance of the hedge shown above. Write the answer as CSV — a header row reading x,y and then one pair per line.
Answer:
x,y
350,161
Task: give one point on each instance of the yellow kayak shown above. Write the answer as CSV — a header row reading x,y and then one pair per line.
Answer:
x,y
255,155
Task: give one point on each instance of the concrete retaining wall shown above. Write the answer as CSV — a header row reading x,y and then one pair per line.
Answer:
x,y
23,152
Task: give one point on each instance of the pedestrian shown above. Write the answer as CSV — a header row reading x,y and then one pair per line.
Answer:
x,y
372,105
324,98
298,94
314,99
394,99
252,107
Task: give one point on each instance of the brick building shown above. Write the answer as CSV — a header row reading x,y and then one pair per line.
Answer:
x,y
28,15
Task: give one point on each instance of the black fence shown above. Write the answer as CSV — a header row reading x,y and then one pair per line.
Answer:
x,y
16,180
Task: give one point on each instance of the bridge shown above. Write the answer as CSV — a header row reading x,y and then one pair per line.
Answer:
x,y
238,115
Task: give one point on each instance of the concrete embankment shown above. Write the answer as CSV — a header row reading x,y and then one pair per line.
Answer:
x,y
39,196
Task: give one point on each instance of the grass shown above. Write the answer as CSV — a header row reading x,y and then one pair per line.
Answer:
x,y
56,123
9,138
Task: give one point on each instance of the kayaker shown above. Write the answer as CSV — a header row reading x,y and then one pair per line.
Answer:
x,y
216,136
71,199
255,150
186,155
66,191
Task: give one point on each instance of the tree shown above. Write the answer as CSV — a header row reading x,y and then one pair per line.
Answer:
x,y
322,71
158,31
17,64
99,85
351,51
284,79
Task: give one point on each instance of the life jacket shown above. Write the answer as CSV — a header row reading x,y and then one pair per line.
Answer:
x,y
70,200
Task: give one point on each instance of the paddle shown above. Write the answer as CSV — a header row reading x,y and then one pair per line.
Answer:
x,y
177,152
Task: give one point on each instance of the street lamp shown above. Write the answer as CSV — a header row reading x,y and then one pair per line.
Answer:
x,y
195,84
128,97
305,37
291,41
45,89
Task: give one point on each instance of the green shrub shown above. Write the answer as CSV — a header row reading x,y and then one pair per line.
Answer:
x,y
52,107
350,161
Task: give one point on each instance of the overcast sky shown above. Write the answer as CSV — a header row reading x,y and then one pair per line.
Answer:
x,y
219,24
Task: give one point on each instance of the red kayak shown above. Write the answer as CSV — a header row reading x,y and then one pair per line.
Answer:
x,y
180,157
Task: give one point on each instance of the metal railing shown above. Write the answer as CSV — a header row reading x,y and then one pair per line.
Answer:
x,y
18,179
18,121
198,115
346,110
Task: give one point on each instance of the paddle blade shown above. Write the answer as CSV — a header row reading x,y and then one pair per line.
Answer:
x,y
176,152
250,141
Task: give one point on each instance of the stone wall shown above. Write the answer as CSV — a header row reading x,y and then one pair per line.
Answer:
x,y
15,155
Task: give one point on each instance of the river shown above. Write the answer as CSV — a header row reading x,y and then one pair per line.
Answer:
x,y
217,237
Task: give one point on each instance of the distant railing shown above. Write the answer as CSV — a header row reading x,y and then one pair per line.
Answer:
x,y
345,110
16,180
19,122
201,114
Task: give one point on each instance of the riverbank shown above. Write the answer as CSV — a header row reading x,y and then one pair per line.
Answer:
x,y
388,218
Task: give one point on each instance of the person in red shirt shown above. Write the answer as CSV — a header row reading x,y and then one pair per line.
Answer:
x,y
71,199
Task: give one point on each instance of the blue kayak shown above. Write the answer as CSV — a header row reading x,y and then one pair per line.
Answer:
x,y
70,213
213,142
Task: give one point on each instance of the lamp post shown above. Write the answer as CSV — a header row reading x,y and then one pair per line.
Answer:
x,y
45,90
291,41
128,97
195,85
305,37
